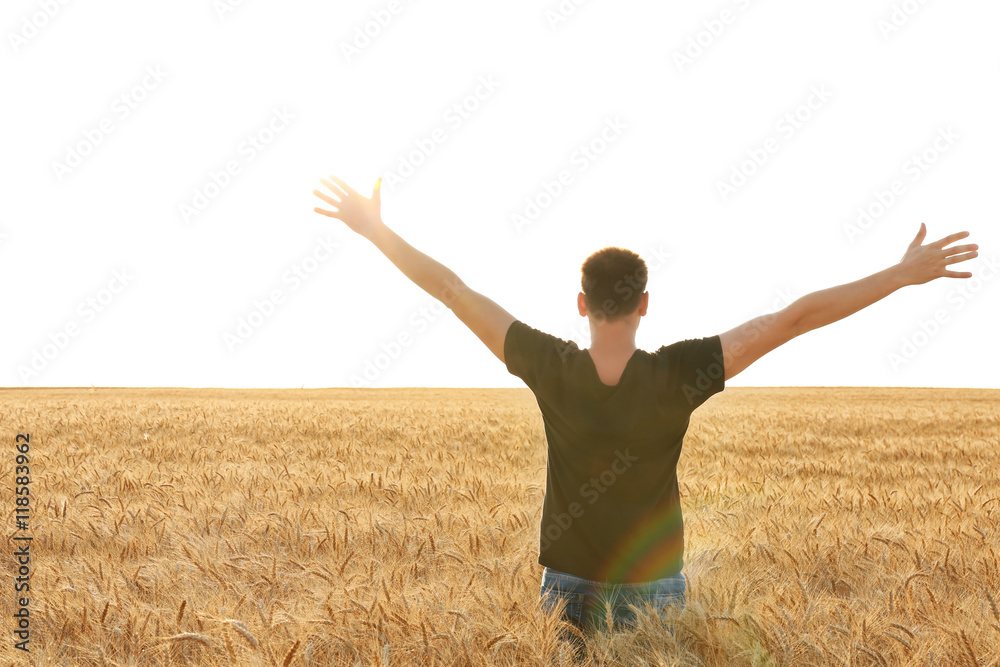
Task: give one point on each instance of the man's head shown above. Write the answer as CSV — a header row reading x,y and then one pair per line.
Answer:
x,y
614,286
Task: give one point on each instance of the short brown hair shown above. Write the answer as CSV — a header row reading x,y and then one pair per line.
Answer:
x,y
613,280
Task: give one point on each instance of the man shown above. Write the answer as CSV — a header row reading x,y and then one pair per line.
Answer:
x,y
611,535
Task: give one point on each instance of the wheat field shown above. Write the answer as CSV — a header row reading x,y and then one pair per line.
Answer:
x,y
824,526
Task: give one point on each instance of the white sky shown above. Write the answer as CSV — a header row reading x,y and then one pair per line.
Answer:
x,y
117,113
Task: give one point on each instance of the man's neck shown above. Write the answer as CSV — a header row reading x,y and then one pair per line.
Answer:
x,y
612,340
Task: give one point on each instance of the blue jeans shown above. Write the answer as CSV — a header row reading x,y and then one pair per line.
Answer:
x,y
587,602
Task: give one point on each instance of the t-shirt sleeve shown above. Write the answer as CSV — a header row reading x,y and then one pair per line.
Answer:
x,y
534,356
696,370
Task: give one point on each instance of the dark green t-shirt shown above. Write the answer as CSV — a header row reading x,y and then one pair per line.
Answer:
x,y
612,509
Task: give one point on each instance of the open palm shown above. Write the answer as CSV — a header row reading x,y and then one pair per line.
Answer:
x,y
360,213
923,263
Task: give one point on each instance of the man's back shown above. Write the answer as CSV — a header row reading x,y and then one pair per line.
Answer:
x,y
612,508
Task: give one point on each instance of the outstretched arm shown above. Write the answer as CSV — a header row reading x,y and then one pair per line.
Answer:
x,y
363,215
921,263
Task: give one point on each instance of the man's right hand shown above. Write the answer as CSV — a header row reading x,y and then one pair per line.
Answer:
x,y
923,263
748,342
360,213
